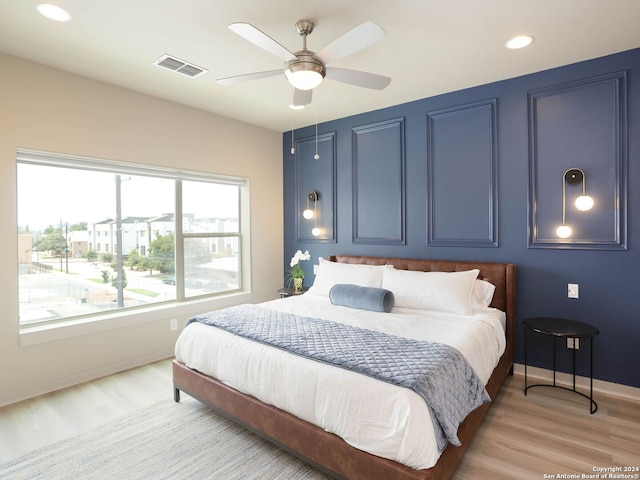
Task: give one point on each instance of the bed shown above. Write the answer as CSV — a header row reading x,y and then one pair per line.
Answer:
x,y
312,439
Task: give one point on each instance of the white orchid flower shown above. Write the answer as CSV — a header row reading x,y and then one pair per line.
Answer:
x,y
299,256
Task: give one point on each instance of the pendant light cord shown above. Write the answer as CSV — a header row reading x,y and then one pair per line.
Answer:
x,y
317,155
293,148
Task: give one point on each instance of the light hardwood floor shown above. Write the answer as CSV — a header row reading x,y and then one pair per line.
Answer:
x,y
44,420
548,432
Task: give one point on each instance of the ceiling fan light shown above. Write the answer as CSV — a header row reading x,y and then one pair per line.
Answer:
x,y
304,79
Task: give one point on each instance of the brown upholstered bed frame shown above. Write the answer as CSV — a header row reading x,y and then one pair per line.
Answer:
x,y
329,452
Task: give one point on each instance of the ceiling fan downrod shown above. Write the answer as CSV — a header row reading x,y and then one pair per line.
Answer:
x,y
305,27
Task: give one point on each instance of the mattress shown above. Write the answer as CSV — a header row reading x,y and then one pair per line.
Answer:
x,y
385,420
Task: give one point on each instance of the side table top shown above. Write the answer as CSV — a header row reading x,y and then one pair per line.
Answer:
x,y
290,291
561,327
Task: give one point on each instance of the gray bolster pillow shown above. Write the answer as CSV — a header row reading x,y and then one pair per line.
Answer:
x,y
365,298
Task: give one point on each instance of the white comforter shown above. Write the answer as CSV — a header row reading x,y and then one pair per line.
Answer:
x,y
371,415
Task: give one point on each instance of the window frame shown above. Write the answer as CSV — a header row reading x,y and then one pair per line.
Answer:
x,y
178,176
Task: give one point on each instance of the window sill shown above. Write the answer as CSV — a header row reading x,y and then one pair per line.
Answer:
x,y
52,332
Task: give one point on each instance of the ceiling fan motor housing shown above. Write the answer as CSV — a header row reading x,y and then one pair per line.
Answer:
x,y
304,62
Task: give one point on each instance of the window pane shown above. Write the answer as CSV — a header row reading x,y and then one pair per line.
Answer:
x,y
210,207
68,241
212,265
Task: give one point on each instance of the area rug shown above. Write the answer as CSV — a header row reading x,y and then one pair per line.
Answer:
x,y
168,440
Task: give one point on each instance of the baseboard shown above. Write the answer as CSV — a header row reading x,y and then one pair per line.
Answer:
x,y
84,376
566,380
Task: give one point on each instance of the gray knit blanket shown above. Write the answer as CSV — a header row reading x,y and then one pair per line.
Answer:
x,y
440,374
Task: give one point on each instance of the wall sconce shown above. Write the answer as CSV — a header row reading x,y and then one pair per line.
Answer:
x,y
584,202
308,213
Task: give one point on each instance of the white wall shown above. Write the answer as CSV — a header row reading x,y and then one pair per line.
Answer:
x,y
49,110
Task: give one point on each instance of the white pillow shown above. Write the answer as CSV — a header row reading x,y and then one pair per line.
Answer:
x,y
332,273
441,291
482,293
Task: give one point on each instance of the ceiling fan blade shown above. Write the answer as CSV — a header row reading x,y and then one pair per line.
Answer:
x,y
355,39
302,97
248,76
356,77
262,40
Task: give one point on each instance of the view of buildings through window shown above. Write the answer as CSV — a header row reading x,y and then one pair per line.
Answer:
x,y
92,240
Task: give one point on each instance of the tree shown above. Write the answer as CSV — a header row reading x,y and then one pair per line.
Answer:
x,y
114,280
105,276
162,254
134,259
145,264
53,242
78,227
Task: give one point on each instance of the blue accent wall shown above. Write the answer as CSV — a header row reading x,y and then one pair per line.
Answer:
x,y
477,175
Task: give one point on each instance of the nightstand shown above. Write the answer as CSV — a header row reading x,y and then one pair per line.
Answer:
x,y
287,292
562,328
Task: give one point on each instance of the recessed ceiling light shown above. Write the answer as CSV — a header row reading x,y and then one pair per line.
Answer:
x,y
53,12
296,107
520,41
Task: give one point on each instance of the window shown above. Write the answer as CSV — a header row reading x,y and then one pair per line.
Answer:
x,y
97,236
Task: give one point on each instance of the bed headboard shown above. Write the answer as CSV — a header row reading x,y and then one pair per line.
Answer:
x,y
502,275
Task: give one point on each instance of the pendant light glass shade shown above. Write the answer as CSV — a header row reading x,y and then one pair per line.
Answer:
x,y
564,231
584,203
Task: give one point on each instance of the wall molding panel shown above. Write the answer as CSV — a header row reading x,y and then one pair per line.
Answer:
x,y
378,163
317,176
462,179
581,124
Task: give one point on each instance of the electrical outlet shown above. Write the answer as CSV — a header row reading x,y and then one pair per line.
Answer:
x,y
573,290
315,269
173,324
573,343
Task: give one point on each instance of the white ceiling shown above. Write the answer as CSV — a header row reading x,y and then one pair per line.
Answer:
x,y
431,46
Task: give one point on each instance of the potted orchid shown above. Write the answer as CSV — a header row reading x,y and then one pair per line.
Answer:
x,y
296,274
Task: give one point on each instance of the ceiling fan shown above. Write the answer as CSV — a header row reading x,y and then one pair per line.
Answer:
x,y
305,69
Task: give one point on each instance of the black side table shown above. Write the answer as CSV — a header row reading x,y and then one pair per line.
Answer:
x,y
562,328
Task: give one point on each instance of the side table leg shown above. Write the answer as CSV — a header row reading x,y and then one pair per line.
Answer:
x,y
574,364
525,360
554,360
592,404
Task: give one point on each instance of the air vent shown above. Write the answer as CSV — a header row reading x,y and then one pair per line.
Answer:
x,y
179,66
